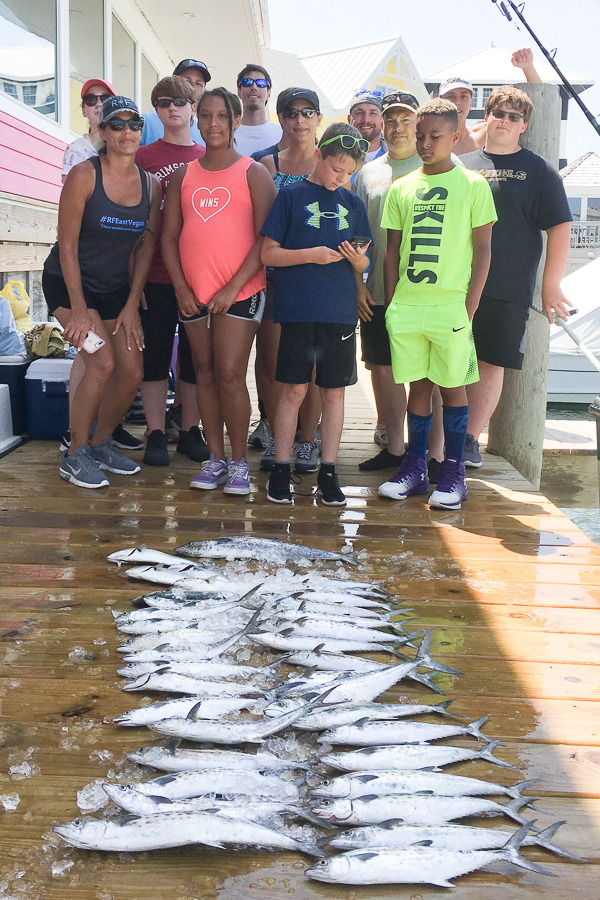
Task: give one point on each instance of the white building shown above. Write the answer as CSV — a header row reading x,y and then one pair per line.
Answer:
x,y
582,185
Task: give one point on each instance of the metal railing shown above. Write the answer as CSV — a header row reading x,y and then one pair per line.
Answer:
x,y
585,235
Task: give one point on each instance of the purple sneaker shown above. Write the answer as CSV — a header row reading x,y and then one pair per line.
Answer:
x,y
212,474
451,488
411,478
238,478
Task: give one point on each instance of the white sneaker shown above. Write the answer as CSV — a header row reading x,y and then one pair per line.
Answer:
x,y
451,488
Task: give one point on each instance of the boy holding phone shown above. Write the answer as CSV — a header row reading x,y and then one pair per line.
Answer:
x,y
308,240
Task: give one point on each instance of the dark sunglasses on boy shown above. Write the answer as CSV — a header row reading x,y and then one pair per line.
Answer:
x,y
501,113
307,113
92,99
348,142
259,82
118,124
165,102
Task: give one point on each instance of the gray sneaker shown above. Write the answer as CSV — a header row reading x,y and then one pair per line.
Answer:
x,y
268,458
307,457
82,469
108,457
261,435
471,455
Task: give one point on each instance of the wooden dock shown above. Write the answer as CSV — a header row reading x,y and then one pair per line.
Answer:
x,y
510,584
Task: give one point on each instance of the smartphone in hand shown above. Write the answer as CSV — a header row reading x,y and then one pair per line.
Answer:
x,y
92,342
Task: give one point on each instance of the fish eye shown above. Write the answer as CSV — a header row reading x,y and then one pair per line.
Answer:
x,y
77,822
323,863
326,803
346,833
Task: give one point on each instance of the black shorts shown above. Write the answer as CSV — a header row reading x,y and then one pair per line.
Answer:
x,y
159,322
250,309
331,346
374,339
499,328
108,305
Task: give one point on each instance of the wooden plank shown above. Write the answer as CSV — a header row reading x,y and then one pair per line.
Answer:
x,y
16,258
27,223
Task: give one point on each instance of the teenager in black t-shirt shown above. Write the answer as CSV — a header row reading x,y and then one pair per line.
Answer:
x,y
530,198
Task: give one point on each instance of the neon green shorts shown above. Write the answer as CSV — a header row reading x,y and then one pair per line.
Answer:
x,y
434,342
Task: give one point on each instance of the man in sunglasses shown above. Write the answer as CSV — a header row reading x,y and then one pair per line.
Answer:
x,y
530,198
365,116
197,75
256,131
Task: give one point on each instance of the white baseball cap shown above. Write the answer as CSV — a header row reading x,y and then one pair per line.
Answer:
x,y
455,84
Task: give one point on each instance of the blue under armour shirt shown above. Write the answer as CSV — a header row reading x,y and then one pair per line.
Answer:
x,y
307,215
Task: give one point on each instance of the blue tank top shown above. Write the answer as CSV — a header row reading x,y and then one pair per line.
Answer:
x,y
281,179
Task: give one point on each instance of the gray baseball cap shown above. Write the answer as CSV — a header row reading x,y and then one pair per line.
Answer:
x,y
114,105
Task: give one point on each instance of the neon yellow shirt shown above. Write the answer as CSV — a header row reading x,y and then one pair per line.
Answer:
x,y
436,215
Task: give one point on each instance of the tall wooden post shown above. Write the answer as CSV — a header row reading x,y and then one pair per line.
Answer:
x,y
517,427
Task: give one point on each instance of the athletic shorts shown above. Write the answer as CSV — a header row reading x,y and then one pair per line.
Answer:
x,y
331,346
499,328
159,322
251,310
434,342
108,305
374,339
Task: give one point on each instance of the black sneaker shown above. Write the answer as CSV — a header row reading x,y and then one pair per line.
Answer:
x,y
126,441
433,470
156,449
65,441
383,460
278,485
329,486
192,444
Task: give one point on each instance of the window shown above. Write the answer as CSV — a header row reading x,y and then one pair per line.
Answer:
x,y
575,207
86,53
123,60
149,79
486,91
28,52
593,209
475,104
481,95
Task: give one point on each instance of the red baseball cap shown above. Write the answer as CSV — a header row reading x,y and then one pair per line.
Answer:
x,y
92,81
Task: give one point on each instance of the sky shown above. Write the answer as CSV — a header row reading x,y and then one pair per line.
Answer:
x,y
451,31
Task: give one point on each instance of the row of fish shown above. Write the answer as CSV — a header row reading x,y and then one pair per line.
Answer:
x,y
184,641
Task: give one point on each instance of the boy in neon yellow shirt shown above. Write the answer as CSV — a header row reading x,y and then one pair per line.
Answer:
x,y
439,225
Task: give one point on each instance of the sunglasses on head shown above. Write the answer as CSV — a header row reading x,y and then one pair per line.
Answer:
x,y
348,142
361,92
118,124
165,102
92,99
512,116
307,113
259,82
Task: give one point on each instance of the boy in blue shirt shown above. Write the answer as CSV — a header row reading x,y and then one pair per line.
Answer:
x,y
308,239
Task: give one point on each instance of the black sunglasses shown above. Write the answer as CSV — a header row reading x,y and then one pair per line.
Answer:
x,y
307,113
165,102
259,82
512,116
92,99
118,124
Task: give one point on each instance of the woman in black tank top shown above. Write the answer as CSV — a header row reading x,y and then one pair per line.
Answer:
x,y
93,282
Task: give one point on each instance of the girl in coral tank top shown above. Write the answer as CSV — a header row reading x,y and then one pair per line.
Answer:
x,y
215,208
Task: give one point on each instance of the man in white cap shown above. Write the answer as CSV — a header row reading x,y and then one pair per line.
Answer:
x,y
460,92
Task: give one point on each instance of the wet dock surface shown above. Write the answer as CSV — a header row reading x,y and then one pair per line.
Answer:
x,y
511,586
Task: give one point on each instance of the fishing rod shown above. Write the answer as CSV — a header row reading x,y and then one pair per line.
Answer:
x,y
502,6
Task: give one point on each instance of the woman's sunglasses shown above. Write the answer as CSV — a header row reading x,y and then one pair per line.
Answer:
x,y
512,116
92,99
307,113
259,82
118,124
348,142
165,102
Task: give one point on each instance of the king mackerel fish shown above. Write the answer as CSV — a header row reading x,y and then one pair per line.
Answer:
x,y
265,549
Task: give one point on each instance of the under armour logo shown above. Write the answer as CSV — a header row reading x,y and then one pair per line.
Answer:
x,y
315,215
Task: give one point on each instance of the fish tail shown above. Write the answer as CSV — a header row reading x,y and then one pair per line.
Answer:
x,y
543,839
517,789
475,729
487,753
442,708
427,680
510,851
350,558
511,809
423,657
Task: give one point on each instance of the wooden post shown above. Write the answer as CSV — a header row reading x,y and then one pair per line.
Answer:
x,y
517,427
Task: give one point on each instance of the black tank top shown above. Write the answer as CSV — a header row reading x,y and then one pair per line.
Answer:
x,y
107,237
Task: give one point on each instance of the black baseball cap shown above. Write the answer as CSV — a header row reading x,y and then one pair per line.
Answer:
x,y
114,105
192,64
301,94
402,99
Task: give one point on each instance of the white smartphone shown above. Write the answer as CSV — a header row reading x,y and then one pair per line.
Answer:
x,y
92,342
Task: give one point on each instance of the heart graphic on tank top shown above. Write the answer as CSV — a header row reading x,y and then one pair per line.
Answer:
x,y
207,203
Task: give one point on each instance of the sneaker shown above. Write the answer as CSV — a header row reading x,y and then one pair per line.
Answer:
x,y
212,474
173,423
329,487
65,441
238,477
383,460
82,469
278,485
261,435
108,457
121,438
452,486
192,444
380,437
267,460
411,478
307,457
156,449
433,470
471,456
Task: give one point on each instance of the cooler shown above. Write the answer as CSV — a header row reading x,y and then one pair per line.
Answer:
x,y
47,390
12,373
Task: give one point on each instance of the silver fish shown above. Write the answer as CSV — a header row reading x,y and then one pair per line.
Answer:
x,y
209,708
266,549
417,865
144,555
410,756
288,639
207,669
173,830
195,783
414,809
188,579
287,606
173,683
190,638
366,732
396,781
348,713
175,759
